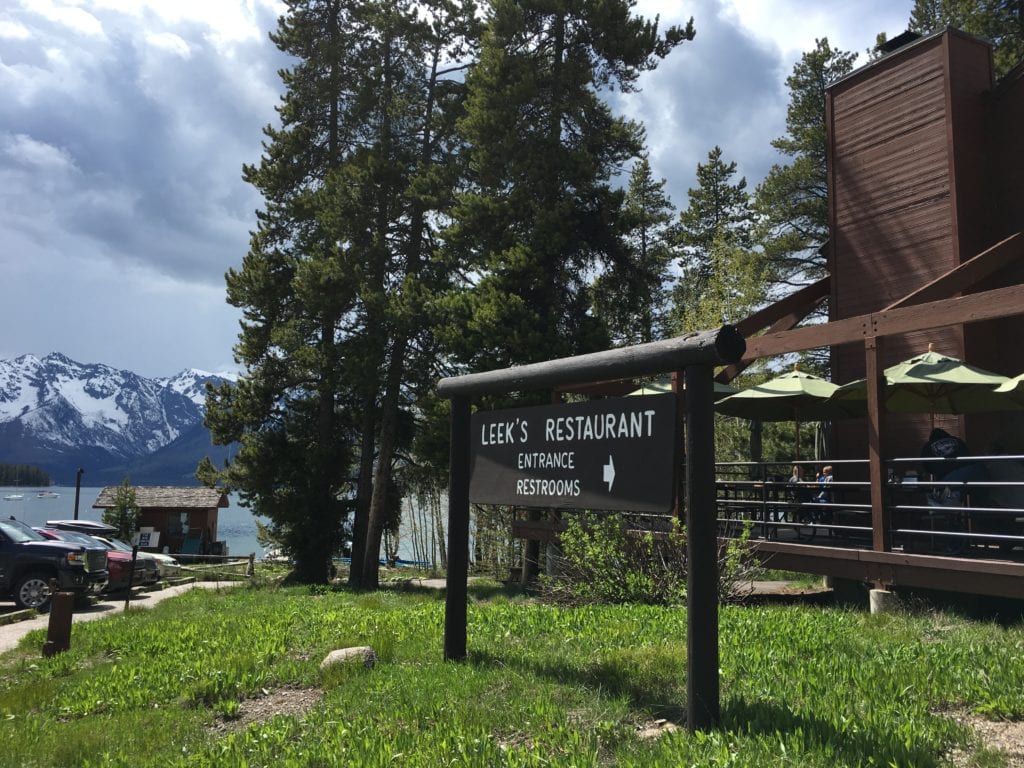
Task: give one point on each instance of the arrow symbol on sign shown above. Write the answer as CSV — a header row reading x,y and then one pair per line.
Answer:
x,y
609,473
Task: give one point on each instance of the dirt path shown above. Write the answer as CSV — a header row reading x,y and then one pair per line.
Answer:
x,y
11,634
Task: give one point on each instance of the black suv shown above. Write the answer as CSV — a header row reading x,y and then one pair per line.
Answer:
x,y
29,563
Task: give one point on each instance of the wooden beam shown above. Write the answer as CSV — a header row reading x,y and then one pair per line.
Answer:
x,y
881,528
967,274
782,316
998,578
717,347
797,304
974,307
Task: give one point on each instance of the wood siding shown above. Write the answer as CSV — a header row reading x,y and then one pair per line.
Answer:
x,y
911,196
891,210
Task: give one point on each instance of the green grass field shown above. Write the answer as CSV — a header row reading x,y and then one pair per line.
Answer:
x,y
544,686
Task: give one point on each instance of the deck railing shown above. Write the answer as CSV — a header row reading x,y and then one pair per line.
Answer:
x,y
977,507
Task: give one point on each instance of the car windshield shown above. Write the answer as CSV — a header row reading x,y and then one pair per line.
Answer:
x,y
77,538
17,531
115,544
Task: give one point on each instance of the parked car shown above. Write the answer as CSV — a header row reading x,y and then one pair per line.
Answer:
x,y
166,565
29,563
119,565
155,568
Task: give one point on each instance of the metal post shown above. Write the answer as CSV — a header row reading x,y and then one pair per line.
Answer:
x,y
78,489
458,533
702,687
131,577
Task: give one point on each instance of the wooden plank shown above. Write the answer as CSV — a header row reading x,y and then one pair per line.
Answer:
x,y
987,305
998,578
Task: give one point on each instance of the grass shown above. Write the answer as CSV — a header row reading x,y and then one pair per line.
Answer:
x,y
543,685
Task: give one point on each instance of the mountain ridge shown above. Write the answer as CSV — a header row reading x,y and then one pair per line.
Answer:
x,y
59,414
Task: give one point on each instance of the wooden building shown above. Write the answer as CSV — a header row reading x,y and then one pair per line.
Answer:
x,y
184,518
925,170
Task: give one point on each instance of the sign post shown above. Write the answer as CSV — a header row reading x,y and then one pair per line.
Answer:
x,y
585,459
702,688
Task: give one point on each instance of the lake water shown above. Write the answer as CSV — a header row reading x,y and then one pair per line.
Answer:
x,y
236,525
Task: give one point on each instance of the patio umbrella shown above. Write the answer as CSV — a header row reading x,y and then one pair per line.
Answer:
x,y
932,383
795,396
663,384
1012,390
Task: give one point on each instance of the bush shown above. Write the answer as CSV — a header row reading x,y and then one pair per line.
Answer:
x,y
604,559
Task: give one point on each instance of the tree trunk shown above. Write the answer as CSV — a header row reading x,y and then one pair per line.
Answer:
x,y
364,492
385,457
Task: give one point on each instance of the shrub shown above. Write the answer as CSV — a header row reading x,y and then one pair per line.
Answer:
x,y
605,559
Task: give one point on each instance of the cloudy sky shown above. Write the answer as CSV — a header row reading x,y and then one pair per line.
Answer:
x,y
125,124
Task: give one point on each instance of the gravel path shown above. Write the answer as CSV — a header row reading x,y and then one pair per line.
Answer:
x,y
11,634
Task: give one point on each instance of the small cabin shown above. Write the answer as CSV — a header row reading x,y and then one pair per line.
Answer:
x,y
174,519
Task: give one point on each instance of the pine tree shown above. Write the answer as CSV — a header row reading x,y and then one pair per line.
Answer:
x,y
293,287
338,282
734,289
792,201
718,216
124,514
541,214
631,295
393,195
1001,21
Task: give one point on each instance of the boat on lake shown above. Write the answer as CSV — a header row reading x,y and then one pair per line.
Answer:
x,y
14,497
47,495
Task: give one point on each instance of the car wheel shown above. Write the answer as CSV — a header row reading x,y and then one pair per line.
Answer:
x,y
33,591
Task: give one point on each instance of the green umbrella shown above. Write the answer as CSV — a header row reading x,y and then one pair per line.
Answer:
x,y
932,383
1012,390
795,396
663,384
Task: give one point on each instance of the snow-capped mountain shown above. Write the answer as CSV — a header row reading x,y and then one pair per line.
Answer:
x,y
56,412
192,384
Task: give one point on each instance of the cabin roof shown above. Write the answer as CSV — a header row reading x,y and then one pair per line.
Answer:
x,y
165,497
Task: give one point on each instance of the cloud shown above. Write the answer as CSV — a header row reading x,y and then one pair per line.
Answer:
x,y
75,19
12,30
170,42
126,124
120,158
727,87
24,150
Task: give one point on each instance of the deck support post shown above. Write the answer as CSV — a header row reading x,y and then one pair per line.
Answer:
x,y
881,518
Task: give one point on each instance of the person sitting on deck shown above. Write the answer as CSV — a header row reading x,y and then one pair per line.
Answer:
x,y
824,479
795,489
942,445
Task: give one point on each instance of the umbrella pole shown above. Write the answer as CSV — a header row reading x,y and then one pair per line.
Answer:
x,y
797,449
